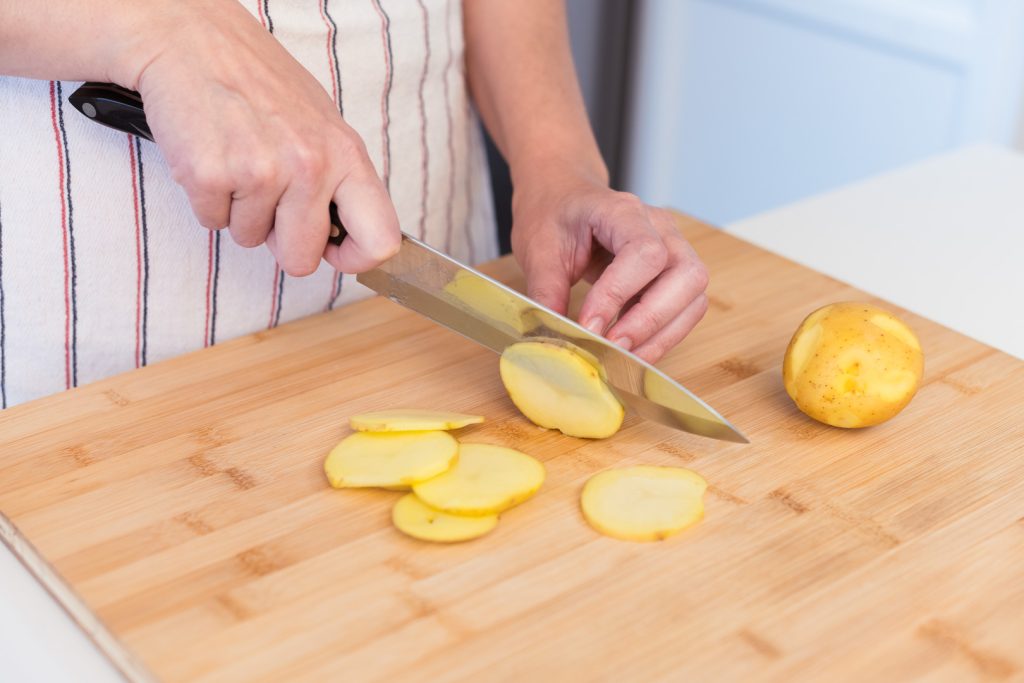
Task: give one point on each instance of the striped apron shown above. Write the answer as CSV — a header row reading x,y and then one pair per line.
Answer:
x,y
103,268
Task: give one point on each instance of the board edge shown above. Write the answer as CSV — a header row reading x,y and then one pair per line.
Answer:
x,y
123,659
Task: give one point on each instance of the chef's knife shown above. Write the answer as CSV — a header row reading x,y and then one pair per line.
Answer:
x,y
482,309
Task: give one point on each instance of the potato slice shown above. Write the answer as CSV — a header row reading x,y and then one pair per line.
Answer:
x,y
415,518
485,480
390,458
411,420
556,388
643,503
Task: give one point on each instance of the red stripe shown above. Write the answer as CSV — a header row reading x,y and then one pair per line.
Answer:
x,y
273,297
64,230
334,94
138,253
330,55
259,7
384,93
209,283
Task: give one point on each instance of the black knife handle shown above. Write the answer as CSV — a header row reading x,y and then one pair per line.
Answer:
x,y
121,109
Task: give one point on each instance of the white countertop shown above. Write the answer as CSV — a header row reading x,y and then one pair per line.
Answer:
x,y
944,238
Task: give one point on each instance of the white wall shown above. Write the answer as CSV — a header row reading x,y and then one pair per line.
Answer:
x,y
743,105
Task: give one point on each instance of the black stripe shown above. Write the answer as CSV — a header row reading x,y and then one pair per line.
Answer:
x,y
145,249
3,325
213,294
387,91
71,237
266,13
334,54
280,299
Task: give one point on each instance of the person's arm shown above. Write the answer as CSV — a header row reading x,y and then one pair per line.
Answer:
x,y
649,285
253,138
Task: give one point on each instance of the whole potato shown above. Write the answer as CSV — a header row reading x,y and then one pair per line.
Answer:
x,y
852,365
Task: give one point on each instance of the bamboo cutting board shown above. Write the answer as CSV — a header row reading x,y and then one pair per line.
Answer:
x,y
181,515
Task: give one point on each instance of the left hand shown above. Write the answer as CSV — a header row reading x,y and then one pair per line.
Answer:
x,y
648,283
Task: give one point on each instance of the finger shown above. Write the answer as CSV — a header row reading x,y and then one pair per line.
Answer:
x,y
548,278
252,218
638,260
655,348
369,217
211,205
599,260
301,227
253,207
666,298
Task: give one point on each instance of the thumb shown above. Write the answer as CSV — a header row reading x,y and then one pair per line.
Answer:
x,y
548,279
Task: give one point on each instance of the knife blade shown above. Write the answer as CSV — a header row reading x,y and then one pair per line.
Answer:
x,y
488,312
476,306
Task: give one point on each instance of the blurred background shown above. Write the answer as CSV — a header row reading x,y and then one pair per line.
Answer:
x,y
727,108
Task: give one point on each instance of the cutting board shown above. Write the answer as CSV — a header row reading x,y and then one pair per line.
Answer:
x,y
180,514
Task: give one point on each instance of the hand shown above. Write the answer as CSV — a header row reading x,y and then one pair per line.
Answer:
x,y
256,142
648,283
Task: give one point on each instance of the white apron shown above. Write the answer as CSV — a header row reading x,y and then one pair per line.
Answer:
x,y
103,268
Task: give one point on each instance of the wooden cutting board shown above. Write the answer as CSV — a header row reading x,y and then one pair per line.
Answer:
x,y
181,515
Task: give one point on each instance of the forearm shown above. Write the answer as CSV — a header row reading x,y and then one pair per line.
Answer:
x,y
99,40
522,79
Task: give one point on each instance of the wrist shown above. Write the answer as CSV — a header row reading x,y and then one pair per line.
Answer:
x,y
557,173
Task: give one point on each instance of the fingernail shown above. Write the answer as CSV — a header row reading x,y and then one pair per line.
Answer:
x,y
596,325
624,342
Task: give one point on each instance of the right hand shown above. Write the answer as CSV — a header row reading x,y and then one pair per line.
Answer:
x,y
255,141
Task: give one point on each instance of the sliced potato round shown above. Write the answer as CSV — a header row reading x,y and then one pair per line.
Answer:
x,y
556,388
643,503
390,458
485,480
415,518
411,420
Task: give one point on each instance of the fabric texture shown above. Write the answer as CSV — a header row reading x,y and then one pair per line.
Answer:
x,y
103,267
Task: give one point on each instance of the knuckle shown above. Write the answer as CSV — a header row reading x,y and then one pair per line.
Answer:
x,y
208,177
702,305
616,293
309,163
652,252
702,278
630,201
258,173
348,145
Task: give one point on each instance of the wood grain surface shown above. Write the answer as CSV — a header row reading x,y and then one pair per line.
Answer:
x,y
180,512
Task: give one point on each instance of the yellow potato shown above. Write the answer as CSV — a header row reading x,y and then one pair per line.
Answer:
x,y
643,503
390,458
485,480
852,365
411,420
556,388
415,518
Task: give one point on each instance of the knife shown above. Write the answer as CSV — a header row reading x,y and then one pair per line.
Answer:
x,y
476,306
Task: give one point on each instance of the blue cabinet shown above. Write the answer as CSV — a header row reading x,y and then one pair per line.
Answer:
x,y
738,106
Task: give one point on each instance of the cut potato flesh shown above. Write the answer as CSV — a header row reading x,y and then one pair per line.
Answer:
x,y
411,420
643,503
390,458
415,518
485,480
555,388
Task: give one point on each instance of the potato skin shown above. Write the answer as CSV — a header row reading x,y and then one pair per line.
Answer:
x,y
852,365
